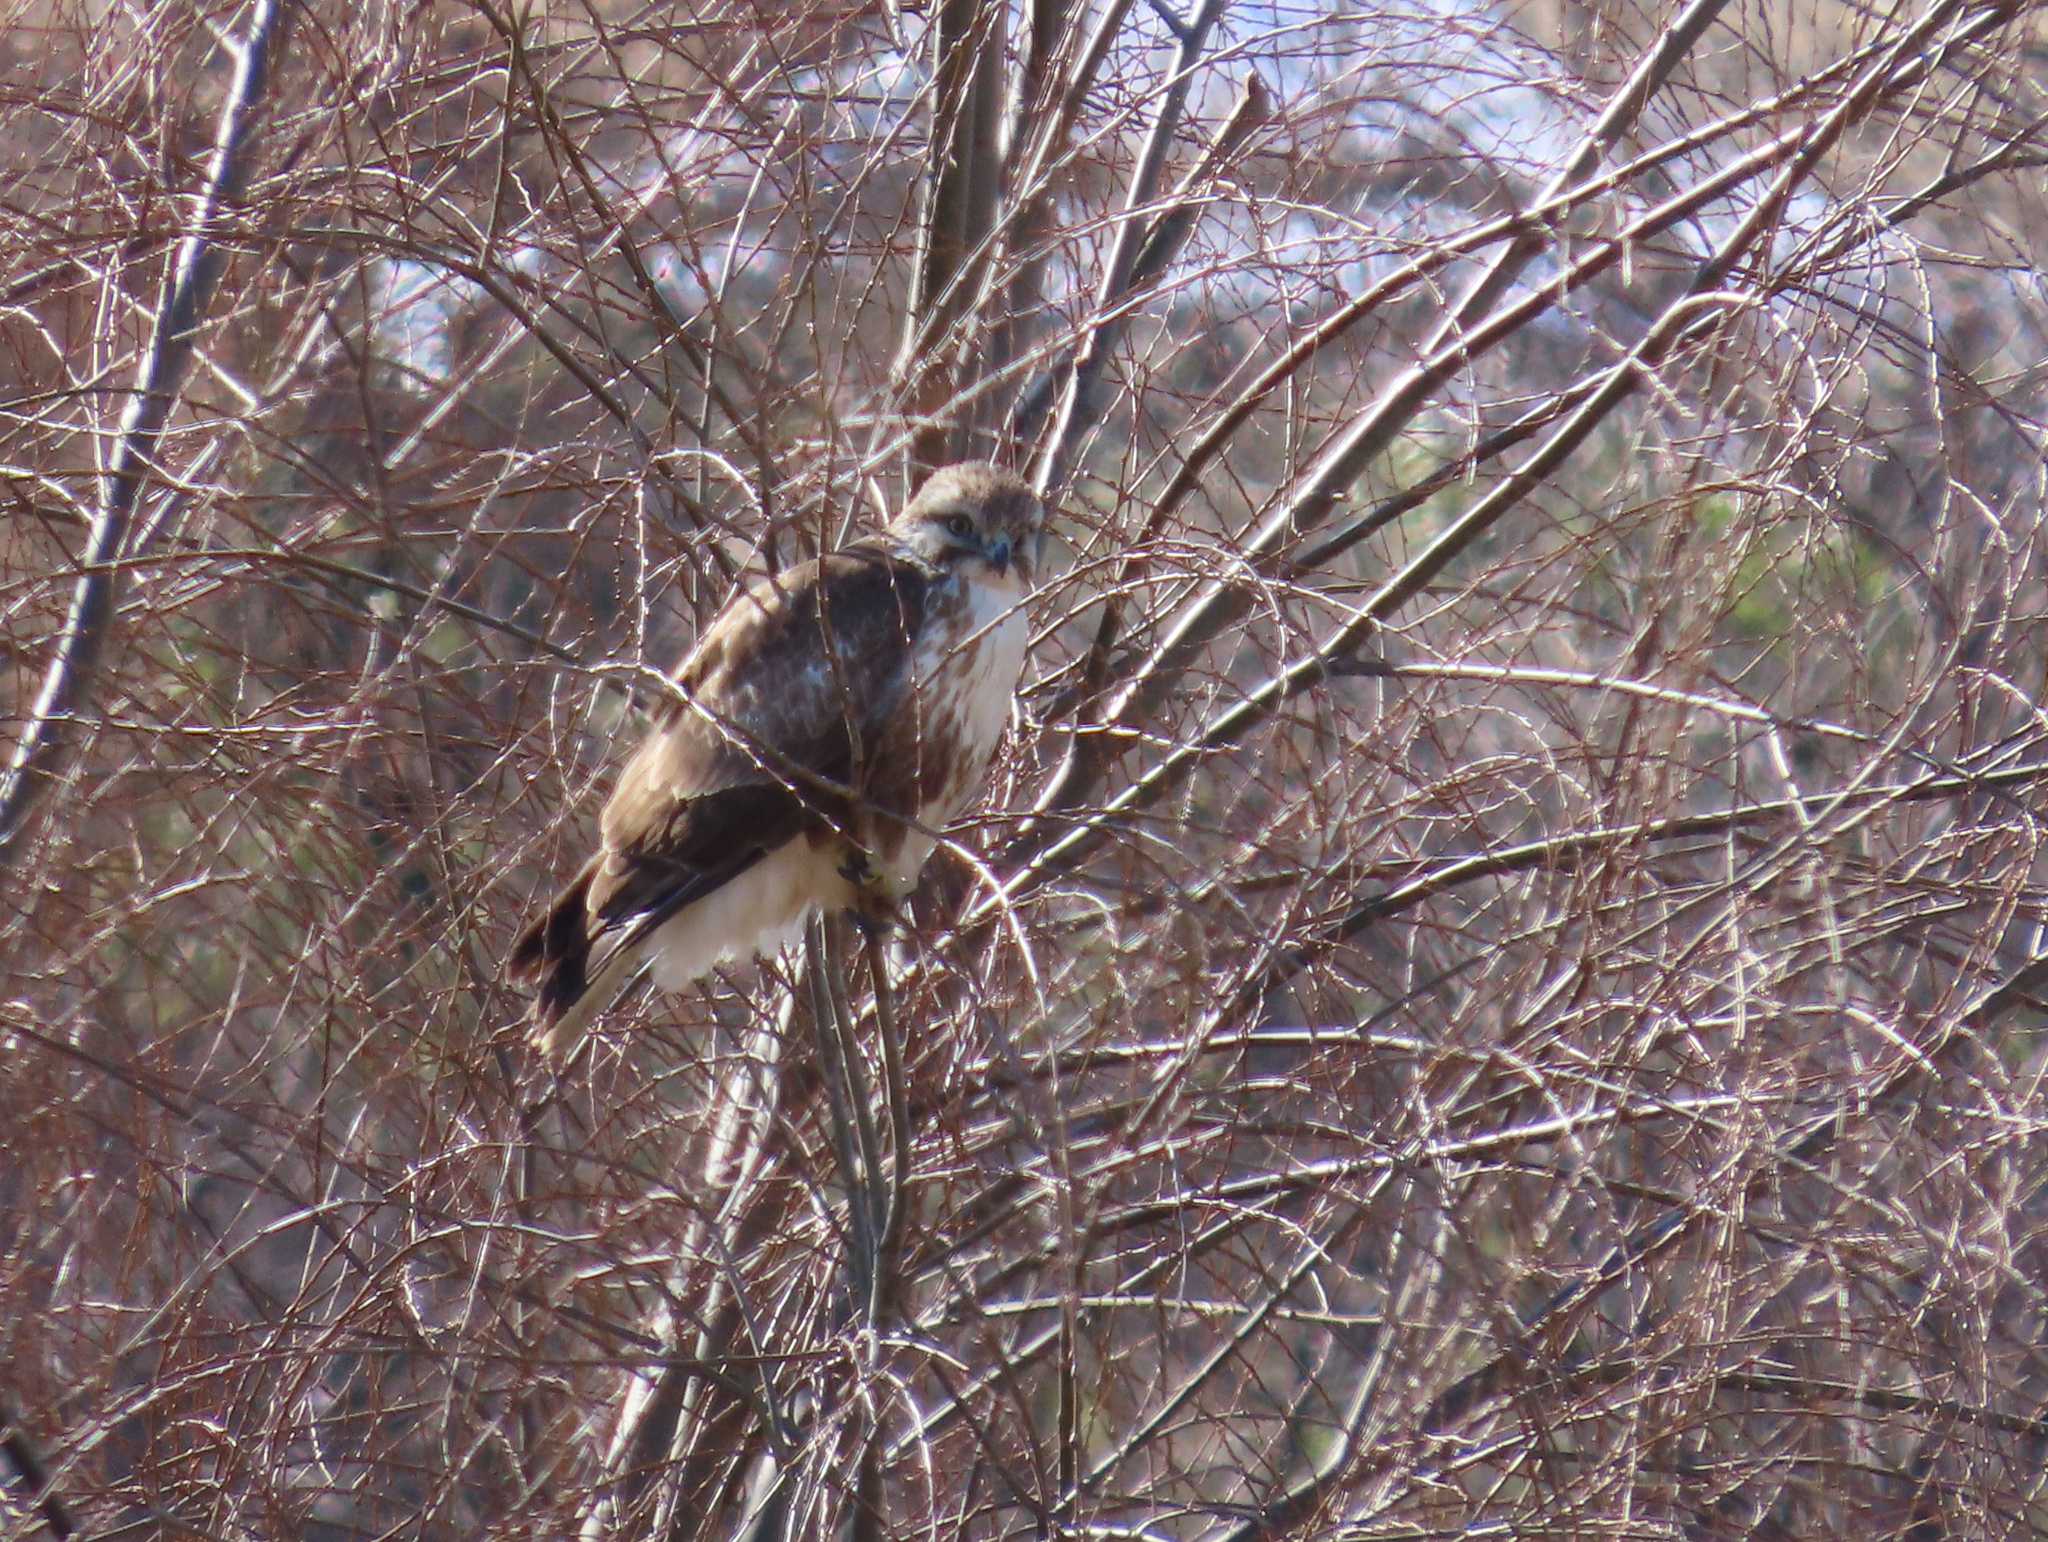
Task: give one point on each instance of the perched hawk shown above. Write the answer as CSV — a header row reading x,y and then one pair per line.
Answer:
x,y
829,723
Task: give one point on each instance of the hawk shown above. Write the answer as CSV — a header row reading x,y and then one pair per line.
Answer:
x,y
830,722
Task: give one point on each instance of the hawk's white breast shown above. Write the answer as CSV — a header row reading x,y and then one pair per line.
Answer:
x,y
965,674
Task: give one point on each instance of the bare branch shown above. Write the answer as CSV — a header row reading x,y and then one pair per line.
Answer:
x,y
34,1474
1498,968
67,677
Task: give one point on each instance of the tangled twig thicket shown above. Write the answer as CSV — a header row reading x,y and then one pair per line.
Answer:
x,y
1498,985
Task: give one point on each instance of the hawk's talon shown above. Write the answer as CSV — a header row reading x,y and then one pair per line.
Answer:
x,y
872,907
875,913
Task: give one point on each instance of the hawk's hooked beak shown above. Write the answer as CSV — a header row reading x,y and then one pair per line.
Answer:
x,y
998,553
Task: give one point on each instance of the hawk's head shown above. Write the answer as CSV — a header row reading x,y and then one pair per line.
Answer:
x,y
976,515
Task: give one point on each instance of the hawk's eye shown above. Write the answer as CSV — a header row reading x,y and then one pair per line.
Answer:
x,y
959,525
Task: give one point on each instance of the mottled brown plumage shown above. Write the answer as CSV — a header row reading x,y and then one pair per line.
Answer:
x,y
828,723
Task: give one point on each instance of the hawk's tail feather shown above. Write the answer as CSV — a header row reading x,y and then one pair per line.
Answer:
x,y
582,962
559,1035
555,950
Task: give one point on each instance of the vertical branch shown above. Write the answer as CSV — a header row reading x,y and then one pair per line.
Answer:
x,y
1024,291
1072,382
860,1176
674,1422
67,680
834,1037
891,1198
956,218
876,1204
1034,147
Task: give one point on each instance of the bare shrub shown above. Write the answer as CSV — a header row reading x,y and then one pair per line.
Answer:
x,y
1496,987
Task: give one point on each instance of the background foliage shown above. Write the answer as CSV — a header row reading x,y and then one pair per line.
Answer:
x,y
1496,987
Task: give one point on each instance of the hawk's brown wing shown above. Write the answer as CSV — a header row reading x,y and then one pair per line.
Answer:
x,y
789,687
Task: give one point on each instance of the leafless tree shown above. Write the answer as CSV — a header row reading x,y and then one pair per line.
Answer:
x,y
1497,986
